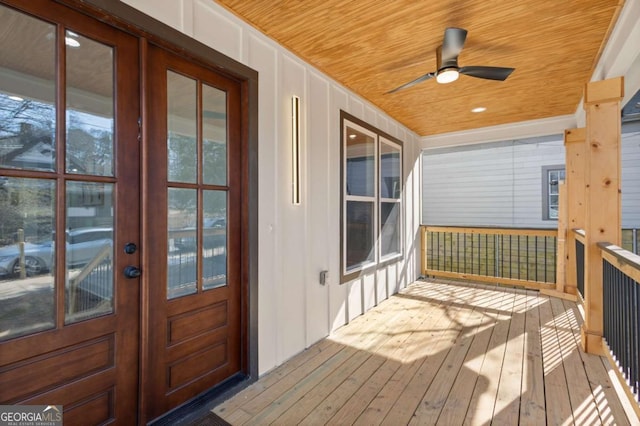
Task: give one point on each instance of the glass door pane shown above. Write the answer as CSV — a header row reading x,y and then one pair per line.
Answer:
x,y
214,135
90,109
214,248
27,248
89,250
182,122
182,260
27,92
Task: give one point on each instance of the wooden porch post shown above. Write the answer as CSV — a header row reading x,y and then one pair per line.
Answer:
x,y
602,195
574,181
561,263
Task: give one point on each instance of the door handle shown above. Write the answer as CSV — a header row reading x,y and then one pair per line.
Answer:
x,y
132,272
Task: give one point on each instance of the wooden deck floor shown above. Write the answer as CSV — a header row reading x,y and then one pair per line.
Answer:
x,y
446,354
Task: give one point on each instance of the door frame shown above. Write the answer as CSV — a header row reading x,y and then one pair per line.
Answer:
x,y
149,30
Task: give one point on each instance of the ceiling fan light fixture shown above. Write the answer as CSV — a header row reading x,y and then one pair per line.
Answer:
x,y
447,75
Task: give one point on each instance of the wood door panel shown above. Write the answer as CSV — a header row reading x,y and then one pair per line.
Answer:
x,y
71,335
81,408
95,410
44,372
76,393
196,323
198,385
195,344
197,364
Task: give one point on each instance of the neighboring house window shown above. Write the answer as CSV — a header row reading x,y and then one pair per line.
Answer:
x,y
371,197
551,178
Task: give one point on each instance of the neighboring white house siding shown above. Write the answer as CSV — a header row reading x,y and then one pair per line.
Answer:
x,y
500,184
631,177
297,242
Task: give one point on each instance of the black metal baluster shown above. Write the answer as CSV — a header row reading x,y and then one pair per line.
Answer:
x,y
510,256
633,343
472,257
502,255
519,266
486,255
464,243
636,339
458,252
534,270
452,266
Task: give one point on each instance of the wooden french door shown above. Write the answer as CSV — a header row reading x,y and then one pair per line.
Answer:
x,y
193,222
81,324
69,213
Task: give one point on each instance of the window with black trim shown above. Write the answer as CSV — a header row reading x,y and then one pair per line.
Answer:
x,y
551,178
371,197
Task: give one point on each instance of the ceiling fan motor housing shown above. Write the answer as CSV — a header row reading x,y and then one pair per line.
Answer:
x,y
451,63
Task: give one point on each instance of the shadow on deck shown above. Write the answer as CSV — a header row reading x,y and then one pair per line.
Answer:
x,y
442,353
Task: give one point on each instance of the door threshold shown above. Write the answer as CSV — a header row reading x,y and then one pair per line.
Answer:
x,y
199,407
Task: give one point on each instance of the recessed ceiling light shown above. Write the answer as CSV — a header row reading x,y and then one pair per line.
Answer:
x,y
16,98
479,109
352,136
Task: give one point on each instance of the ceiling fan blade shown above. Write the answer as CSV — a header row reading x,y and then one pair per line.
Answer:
x,y
489,73
452,43
420,79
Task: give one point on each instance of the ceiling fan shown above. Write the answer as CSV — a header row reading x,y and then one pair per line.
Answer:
x,y
448,69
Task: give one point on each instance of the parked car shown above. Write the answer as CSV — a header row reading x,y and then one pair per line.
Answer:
x,y
215,223
37,259
214,236
83,244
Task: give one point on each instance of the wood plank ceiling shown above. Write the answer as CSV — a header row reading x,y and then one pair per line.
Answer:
x,y
373,46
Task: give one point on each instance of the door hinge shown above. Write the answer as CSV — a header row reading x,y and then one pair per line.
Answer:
x,y
139,129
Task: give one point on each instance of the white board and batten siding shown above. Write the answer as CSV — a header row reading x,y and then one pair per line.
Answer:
x,y
296,242
501,184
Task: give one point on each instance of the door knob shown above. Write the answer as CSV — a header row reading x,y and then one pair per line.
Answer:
x,y
132,272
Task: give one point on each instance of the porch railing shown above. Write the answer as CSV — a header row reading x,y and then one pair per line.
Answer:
x,y
513,256
95,275
621,316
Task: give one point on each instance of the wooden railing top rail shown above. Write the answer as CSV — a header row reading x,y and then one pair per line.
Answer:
x,y
580,234
533,232
622,259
